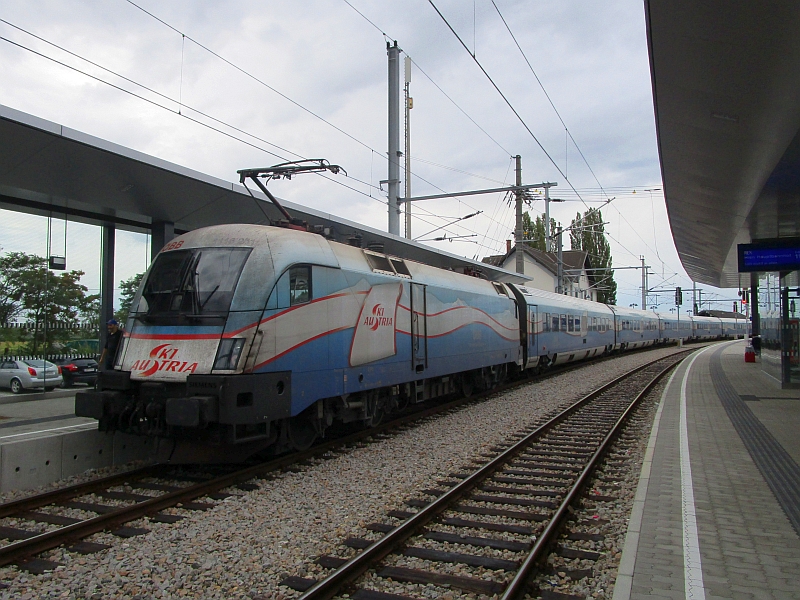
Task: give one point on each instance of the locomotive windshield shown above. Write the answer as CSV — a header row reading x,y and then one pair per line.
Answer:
x,y
195,283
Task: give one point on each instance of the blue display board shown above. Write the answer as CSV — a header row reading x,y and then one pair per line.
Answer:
x,y
781,254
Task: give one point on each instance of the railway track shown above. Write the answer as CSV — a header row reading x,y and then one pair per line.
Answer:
x,y
497,522
69,515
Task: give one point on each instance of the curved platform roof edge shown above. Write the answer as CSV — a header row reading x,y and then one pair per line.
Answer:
x,y
48,167
727,109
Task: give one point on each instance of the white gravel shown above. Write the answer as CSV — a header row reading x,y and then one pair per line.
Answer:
x,y
247,544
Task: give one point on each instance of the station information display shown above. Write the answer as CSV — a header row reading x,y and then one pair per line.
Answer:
x,y
781,254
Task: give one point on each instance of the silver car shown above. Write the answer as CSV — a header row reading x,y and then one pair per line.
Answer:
x,y
29,374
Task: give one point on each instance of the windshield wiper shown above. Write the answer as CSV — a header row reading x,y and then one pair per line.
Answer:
x,y
203,305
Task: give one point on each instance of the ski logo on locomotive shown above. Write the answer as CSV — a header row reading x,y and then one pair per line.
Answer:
x,y
378,318
163,357
374,334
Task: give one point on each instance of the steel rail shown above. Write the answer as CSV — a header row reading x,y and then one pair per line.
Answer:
x,y
517,587
73,491
24,549
356,566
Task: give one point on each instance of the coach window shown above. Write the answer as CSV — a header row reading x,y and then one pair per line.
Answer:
x,y
554,321
299,285
563,322
570,323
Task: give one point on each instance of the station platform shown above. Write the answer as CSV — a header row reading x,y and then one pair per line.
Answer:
x,y
37,414
717,510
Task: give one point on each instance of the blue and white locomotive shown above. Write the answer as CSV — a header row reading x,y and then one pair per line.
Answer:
x,y
247,337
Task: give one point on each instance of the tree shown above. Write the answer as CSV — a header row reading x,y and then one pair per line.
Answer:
x,y
30,290
128,288
588,234
534,232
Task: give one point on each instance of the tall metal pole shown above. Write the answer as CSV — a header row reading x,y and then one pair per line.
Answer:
x,y
644,285
560,289
548,242
408,147
518,230
394,135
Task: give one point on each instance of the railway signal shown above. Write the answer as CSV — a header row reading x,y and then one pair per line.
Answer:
x,y
678,296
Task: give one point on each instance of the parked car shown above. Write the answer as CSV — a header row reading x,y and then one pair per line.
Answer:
x,y
77,370
29,374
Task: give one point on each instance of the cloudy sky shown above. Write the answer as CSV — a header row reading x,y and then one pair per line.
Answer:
x,y
285,79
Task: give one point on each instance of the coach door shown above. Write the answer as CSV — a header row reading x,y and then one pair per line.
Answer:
x,y
533,339
419,327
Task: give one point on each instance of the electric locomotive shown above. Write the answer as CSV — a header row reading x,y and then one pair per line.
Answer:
x,y
243,337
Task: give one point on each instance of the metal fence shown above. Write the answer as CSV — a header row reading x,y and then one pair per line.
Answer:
x,y
54,325
47,356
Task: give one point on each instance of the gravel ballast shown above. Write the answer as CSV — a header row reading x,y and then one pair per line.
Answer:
x,y
247,544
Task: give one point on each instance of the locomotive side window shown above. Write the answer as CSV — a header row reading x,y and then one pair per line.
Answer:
x,y
498,287
400,267
379,263
299,285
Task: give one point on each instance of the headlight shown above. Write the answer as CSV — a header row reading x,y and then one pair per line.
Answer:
x,y
228,354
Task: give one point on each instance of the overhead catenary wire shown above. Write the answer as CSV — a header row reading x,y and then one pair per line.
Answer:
x,y
525,125
179,112
541,85
272,88
506,100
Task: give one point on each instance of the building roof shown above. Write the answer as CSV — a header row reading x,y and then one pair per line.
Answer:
x,y
721,314
46,168
727,109
572,259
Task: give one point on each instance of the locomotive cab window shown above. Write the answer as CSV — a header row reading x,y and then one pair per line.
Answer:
x,y
299,285
191,282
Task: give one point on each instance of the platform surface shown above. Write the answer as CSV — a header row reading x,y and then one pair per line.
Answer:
x,y
37,414
717,511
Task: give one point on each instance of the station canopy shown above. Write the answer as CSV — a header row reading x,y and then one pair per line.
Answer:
x,y
726,93
48,168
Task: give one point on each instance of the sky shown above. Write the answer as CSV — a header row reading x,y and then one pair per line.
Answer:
x,y
227,85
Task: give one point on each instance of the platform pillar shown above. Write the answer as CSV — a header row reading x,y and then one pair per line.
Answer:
x,y
107,244
162,233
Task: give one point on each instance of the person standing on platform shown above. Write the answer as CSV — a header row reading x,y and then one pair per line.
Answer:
x,y
112,345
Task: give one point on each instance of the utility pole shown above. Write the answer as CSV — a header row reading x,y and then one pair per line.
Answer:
x,y
409,106
548,238
694,299
644,285
560,288
394,135
518,230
